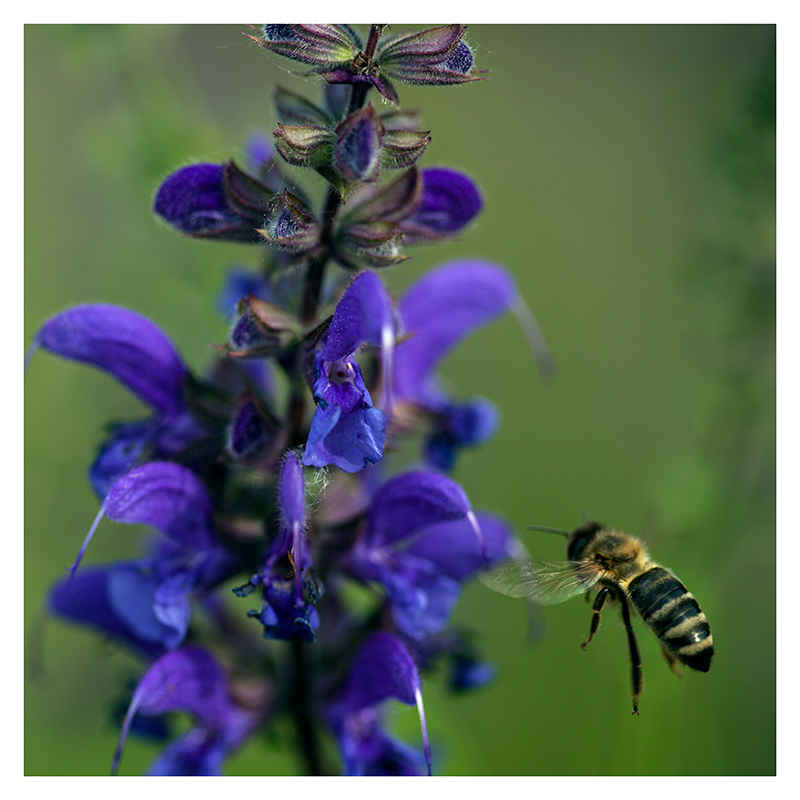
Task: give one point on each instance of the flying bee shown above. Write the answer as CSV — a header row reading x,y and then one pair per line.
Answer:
x,y
619,567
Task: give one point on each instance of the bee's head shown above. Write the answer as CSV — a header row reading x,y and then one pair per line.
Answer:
x,y
580,537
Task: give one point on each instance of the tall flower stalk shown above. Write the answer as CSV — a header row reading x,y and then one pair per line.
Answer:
x,y
272,472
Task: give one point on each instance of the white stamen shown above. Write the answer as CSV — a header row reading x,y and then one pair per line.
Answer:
x,y
473,520
100,515
425,743
536,341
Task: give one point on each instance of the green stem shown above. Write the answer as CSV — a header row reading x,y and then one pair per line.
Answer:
x,y
306,730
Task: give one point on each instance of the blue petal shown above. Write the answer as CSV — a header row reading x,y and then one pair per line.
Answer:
x,y
383,669
121,452
168,497
411,501
85,599
364,315
422,597
440,310
131,594
123,343
348,442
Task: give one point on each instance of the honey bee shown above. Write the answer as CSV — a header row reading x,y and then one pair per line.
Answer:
x,y
618,565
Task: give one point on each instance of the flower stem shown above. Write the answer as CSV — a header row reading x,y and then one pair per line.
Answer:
x,y
307,732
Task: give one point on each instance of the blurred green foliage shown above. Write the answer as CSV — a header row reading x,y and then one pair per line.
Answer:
x,y
629,180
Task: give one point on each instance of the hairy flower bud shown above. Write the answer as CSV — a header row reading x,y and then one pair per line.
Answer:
x,y
304,145
324,46
356,152
290,225
213,201
437,56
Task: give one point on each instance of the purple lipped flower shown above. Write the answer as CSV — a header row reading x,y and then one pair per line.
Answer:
x,y
420,207
135,351
190,680
288,584
149,599
347,431
420,591
382,670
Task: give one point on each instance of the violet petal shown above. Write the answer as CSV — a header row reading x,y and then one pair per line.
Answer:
x,y
363,316
123,343
411,501
166,496
440,310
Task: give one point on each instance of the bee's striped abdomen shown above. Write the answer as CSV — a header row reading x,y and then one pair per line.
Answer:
x,y
674,616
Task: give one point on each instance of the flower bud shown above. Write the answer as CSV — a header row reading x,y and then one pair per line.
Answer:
x,y
304,145
356,151
290,225
437,56
450,201
294,109
260,330
325,46
369,244
403,148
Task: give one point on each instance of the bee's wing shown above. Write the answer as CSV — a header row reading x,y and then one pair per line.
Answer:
x,y
543,582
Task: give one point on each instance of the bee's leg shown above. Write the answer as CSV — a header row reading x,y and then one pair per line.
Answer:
x,y
636,661
672,661
597,607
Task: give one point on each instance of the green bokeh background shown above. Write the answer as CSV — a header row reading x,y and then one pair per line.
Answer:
x,y
628,177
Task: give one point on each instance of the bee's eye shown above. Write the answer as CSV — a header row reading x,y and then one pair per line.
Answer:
x,y
576,547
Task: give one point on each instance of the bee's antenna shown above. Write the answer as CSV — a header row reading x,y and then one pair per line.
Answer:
x,y
548,530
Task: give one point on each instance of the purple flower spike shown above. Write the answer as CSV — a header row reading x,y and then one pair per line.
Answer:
x,y
450,202
124,344
441,309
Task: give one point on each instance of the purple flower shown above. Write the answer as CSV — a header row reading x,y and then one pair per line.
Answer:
x,y
147,602
95,598
136,352
383,669
190,680
347,431
420,207
420,542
